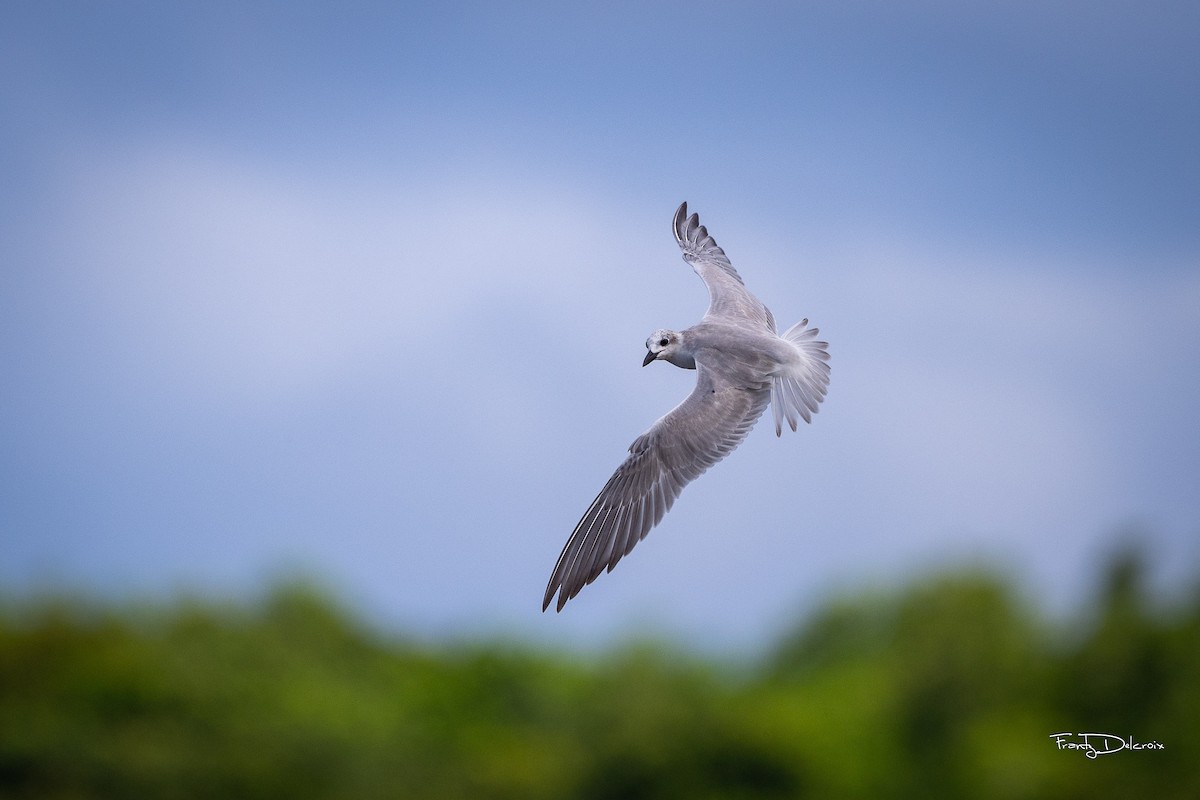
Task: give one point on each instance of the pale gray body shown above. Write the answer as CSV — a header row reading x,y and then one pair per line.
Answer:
x,y
743,364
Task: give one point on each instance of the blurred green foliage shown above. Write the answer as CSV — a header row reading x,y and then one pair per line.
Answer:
x,y
949,688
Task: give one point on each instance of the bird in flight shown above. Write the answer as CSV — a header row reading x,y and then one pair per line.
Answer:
x,y
742,364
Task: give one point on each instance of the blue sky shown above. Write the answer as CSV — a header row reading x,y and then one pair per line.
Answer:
x,y
361,291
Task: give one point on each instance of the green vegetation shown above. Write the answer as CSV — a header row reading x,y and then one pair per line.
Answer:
x,y
950,688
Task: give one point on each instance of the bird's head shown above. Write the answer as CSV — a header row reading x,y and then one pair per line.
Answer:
x,y
664,345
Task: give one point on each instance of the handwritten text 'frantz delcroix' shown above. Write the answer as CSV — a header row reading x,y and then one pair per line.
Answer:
x,y
1101,744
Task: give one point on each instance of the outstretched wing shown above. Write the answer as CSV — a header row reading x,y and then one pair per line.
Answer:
x,y
728,296
696,434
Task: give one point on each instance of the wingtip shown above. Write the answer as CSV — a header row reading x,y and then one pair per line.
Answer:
x,y
549,596
677,223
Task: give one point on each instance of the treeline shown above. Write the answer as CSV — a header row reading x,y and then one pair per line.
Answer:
x,y
952,687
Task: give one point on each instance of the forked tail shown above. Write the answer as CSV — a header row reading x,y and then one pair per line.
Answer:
x,y
800,386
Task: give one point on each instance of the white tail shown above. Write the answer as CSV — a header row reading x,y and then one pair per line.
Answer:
x,y
800,386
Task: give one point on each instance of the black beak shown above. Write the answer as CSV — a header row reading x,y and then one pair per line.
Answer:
x,y
649,357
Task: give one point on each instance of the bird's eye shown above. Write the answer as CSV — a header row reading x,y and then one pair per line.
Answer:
x,y
662,342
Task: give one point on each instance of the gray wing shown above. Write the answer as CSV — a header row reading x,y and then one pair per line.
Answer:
x,y
696,434
728,296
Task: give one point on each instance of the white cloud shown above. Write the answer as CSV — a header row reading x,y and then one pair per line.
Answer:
x,y
241,283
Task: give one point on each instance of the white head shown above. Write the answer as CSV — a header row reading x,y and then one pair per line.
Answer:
x,y
665,345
